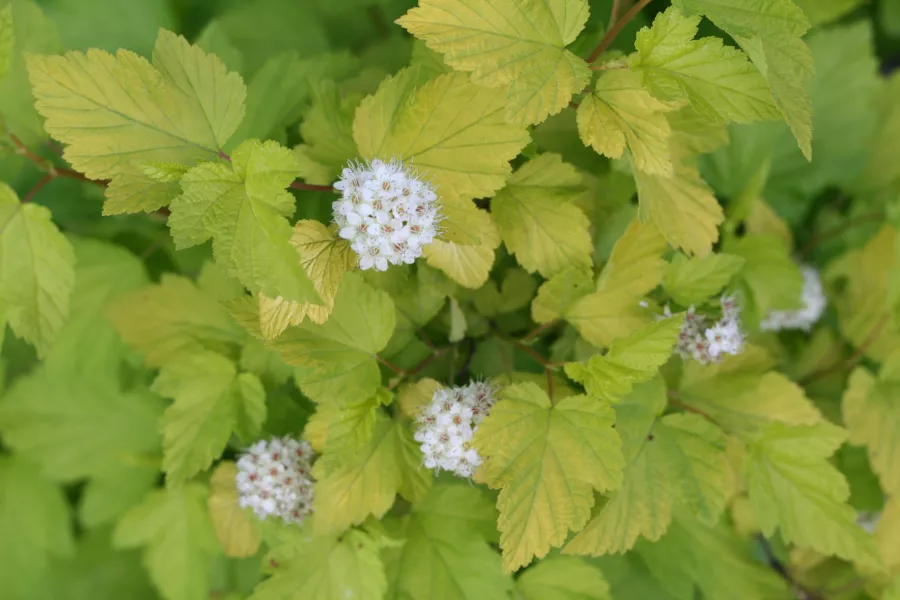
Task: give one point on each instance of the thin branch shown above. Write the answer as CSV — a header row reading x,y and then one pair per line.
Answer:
x,y
390,366
676,400
613,14
854,359
539,330
821,238
549,374
156,245
297,185
48,167
616,29
37,187
403,374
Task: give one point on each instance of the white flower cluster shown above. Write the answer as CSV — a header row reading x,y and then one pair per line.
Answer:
x,y
386,212
814,302
447,424
707,344
274,479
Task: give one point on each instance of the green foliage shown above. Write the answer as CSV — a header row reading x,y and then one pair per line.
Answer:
x,y
606,174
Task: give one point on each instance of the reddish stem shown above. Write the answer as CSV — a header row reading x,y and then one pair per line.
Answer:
x,y
541,329
854,359
37,187
51,170
297,185
616,29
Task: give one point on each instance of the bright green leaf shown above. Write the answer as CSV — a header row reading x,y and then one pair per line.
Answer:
x,y
691,547
446,555
210,401
562,578
771,32
80,427
330,567
35,514
178,541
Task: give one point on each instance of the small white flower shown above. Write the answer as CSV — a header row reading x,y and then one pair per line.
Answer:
x,y
274,479
707,344
386,212
447,424
814,302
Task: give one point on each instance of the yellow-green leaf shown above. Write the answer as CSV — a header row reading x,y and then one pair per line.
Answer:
x,y
872,415
326,258
630,360
683,207
117,112
366,481
547,460
538,219
694,280
211,400
446,553
171,319
562,578
242,207
515,43
620,110
673,461
336,360
559,292
794,488
451,128
716,79
327,567
236,533
742,394
771,32
470,266
178,540
36,271
635,266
